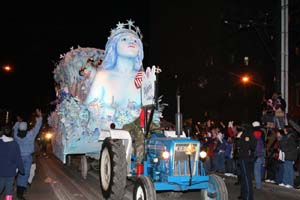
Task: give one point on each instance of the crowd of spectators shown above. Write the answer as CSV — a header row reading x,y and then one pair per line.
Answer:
x,y
276,157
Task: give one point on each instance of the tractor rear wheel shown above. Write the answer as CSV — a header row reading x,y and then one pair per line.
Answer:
x,y
113,169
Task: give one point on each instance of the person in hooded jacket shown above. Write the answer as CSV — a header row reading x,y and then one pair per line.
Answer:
x,y
25,138
11,162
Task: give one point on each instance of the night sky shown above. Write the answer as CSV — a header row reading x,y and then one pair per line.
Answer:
x,y
32,40
188,40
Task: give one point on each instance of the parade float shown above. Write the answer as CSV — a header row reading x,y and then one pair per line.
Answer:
x,y
107,109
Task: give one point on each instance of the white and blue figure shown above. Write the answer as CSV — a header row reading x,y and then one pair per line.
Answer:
x,y
89,102
113,96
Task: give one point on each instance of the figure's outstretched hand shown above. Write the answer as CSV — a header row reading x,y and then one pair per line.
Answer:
x,y
38,112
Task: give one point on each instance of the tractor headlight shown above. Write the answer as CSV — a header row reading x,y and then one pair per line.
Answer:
x,y
155,160
203,154
165,155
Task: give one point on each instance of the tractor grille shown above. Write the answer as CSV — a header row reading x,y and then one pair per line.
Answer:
x,y
181,160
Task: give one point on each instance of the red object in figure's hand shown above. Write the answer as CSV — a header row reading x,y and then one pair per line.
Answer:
x,y
142,118
138,79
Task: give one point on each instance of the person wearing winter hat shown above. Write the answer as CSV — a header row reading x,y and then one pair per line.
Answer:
x,y
258,154
11,162
256,124
25,138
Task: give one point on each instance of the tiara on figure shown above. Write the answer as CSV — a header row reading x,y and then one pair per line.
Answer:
x,y
125,28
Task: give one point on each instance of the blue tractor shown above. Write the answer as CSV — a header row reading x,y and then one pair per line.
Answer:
x,y
174,162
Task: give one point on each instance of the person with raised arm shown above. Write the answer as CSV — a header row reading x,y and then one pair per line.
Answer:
x,y
25,138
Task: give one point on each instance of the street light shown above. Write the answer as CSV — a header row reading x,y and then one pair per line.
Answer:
x,y
245,79
7,68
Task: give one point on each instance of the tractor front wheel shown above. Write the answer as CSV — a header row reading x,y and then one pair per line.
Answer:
x,y
144,189
217,189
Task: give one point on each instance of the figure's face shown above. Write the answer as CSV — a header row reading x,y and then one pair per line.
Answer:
x,y
128,46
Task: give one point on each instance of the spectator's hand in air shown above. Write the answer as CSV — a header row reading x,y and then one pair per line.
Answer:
x,y
222,124
230,124
38,112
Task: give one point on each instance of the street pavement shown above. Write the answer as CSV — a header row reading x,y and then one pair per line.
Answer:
x,y
269,191
56,181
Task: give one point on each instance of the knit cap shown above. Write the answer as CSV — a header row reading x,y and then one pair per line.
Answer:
x,y
23,126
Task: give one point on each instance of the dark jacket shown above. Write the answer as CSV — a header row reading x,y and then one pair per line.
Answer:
x,y
288,144
246,145
10,158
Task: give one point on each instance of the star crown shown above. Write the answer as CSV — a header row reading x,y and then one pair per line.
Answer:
x,y
126,27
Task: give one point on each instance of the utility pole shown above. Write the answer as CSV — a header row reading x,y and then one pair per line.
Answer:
x,y
284,64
